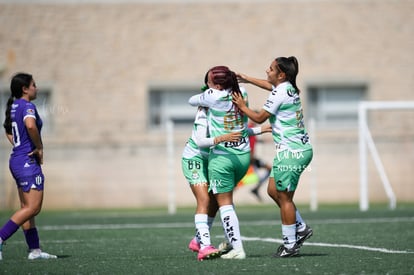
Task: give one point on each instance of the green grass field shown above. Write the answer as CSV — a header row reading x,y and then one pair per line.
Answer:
x,y
345,241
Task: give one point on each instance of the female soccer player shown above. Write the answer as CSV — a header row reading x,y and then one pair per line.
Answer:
x,y
228,161
293,149
23,125
194,166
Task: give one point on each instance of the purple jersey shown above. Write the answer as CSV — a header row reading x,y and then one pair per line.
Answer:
x,y
21,109
25,169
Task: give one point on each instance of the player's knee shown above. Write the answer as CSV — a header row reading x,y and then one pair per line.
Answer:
x,y
34,210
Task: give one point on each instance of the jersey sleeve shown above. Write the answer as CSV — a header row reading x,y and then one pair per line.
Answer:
x,y
200,134
201,139
205,99
29,111
274,101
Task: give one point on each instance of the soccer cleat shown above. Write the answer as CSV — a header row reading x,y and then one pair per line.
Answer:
x,y
225,247
194,245
36,254
208,252
283,252
301,237
238,254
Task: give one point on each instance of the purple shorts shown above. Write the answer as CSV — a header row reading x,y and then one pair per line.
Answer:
x,y
27,173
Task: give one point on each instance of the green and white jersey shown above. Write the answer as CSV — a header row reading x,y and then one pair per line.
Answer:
x,y
223,118
286,118
199,143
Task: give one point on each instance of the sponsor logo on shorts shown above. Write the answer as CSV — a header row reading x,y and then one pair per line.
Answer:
x,y
23,183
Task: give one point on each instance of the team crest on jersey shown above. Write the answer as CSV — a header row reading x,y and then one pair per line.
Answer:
x,y
290,92
195,175
30,111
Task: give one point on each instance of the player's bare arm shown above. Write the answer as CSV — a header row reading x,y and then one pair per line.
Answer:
x,y
230,137
259,117
267,128
35,137
261,83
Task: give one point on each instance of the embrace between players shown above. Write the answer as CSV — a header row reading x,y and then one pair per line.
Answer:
x,y
217,155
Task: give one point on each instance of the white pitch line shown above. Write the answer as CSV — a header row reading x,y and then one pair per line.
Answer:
x,y
253,223
360,247
189,224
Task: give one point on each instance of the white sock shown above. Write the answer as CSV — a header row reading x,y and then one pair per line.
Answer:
x,y
203,233
289,235
231,226
300,223
210,221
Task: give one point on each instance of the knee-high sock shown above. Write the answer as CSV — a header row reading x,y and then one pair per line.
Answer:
x,y
289,235
32,238
300,223
210,221
203,232
8,229
231,226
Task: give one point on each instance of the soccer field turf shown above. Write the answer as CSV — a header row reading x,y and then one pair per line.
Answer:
x,y
345,241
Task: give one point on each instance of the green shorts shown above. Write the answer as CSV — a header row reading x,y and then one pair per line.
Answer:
x,y
225,171
287,168
195,169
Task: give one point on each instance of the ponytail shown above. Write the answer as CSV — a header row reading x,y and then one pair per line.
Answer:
x,y
295,65
290,66
7,121
18,82
236,90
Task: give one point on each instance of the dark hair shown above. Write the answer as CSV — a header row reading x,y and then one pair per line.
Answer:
x,y
205,86
18,81
290,66
227,79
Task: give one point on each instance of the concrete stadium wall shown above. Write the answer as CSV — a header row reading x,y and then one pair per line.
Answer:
x,y
100,59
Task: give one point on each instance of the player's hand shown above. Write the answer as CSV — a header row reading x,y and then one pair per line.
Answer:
x,y
239,100
232,137
38,153
241,78
266,128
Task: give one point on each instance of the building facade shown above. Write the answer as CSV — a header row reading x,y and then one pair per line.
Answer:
x,y
113,74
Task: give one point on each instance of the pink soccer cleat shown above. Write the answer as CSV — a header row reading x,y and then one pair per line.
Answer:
x,y
194,245
208,252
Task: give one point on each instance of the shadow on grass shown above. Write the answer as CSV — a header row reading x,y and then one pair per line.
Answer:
x,y
311,255
63,256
